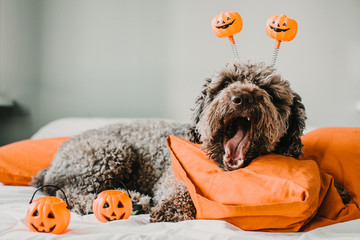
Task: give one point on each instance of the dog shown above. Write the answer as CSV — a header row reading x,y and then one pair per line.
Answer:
x,y
244,111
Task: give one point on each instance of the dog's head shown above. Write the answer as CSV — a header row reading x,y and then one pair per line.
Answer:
x,y
247,110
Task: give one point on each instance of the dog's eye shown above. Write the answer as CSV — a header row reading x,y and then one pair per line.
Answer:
x,y
226,84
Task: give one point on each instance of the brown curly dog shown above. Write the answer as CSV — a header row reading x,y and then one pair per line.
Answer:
x,y
244,111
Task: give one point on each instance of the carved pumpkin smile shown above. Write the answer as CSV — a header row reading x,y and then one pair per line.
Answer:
x,y
43,230
113,217
225,25
279,29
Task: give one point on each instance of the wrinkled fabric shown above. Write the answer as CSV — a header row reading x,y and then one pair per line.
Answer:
x,y
20,161
275,192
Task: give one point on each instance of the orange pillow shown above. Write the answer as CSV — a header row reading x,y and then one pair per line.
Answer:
x,y
337,152
273,193
250,205
20,161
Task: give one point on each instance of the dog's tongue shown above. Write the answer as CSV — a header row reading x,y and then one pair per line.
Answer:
x,y
234,154
235,145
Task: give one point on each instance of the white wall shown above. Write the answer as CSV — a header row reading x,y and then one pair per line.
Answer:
x,y
322,62
19,67
104,58
132,58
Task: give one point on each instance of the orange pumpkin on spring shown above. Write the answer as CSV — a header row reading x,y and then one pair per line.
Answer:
x,y
281,28
112,205
48,214
226,24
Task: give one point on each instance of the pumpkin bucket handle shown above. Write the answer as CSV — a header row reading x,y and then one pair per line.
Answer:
x,y
67,203
97,190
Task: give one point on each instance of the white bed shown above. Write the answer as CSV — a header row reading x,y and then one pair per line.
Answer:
x,y
14,201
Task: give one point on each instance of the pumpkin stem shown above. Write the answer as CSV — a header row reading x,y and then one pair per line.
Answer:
x,y
232,41
278,44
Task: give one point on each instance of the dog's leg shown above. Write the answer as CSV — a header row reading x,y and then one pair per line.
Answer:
x,y
177,207
141,202
82,203
78,202
172,199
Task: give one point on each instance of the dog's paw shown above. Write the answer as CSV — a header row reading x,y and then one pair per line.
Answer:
x,y
141,203
80,204
174,209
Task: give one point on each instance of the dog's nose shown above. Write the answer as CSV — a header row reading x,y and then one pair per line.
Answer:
x,y
243,98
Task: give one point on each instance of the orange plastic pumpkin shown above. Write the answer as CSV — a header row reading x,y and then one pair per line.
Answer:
x,y
281,28
112,205
48,214
227,24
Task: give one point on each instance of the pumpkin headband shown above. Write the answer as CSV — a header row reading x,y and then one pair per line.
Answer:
x,y
280,28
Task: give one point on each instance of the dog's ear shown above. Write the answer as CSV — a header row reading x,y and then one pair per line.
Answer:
x,y
290,144
193,134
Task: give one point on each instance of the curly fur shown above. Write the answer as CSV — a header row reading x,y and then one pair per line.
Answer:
x,y
136,153
276,113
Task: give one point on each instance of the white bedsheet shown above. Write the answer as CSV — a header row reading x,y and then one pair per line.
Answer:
x,y
14,201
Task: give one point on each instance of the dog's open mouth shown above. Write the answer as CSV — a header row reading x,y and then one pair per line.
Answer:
x,y
236,142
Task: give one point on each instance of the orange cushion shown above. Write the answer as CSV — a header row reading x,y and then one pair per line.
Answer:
x,y
273,193
20,161
337,152
276,193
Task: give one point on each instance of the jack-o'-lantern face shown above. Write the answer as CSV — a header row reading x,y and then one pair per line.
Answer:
x,y
48,214
112,205
226,24
281,28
